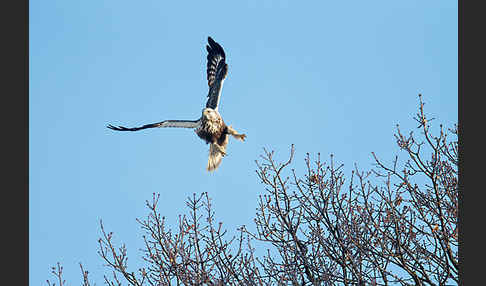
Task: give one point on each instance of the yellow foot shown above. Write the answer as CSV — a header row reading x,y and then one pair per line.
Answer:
x,y
221,150
241,137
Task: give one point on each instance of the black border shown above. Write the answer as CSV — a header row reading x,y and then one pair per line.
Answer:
x,y
471,126
460,66
15,143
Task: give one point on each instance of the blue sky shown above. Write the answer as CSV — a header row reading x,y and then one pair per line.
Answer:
x,y
333,77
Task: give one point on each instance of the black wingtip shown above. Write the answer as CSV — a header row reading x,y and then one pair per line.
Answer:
x,y
214,48
211,44
119,128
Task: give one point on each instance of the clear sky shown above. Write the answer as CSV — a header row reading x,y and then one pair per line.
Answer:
x,y
328,76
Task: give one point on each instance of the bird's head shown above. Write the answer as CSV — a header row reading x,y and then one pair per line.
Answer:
x,y
210,114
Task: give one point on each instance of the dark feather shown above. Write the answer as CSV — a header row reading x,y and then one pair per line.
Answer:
x,y
165,123
217,69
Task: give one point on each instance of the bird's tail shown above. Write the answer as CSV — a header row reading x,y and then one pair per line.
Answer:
x,y
216,154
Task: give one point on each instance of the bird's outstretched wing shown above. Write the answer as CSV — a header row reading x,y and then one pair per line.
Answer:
x,y
217,70
165,123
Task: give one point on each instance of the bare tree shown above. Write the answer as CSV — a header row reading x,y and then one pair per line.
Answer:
x,y
395,224
57,272
400,229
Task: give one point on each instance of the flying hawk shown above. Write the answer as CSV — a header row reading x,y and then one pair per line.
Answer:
x,y
210,126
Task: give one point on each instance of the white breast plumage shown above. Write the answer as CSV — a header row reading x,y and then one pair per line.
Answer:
x,y
213,126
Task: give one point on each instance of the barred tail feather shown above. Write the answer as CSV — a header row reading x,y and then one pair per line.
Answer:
x,y
215,157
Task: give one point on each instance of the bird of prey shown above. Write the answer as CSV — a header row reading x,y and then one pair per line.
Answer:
x,y
210,127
